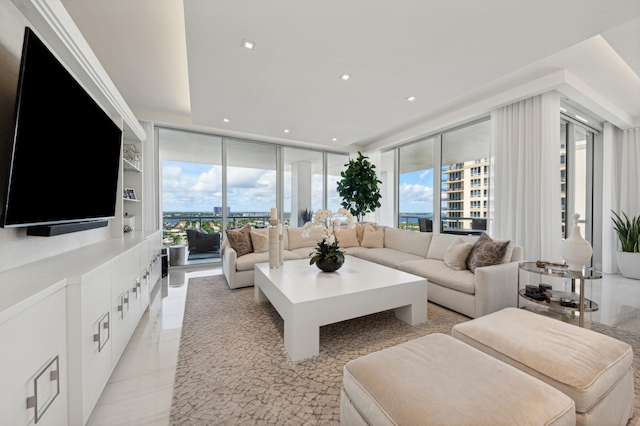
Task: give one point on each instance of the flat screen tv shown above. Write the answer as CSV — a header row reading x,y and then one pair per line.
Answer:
x,y
65,152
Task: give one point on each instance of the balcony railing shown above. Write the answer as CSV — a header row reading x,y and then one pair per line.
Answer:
x,y
448,225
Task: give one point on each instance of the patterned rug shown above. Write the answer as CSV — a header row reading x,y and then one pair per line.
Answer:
x,y
233,369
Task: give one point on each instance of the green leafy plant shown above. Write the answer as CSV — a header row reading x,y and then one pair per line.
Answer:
x,y
359,187
327,251
628,232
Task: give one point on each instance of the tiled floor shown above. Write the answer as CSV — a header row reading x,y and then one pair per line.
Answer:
x,y
140,389
141,386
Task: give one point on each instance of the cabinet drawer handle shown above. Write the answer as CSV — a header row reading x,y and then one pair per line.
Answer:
x,y
124,298
103,323
54,376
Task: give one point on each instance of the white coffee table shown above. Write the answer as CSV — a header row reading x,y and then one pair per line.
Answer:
x,y
307,298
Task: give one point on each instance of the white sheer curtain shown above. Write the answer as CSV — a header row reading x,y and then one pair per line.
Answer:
x,y
525,146
629,177
621,186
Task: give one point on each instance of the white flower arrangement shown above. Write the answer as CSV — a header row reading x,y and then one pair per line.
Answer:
x,y
328,247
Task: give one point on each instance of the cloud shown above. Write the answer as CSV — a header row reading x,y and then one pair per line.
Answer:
x,y
415,198
189,188
425,174
209,181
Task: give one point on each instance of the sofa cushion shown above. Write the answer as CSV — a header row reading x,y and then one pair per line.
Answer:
x,y
260,240
583,364
386,256
408,241
486,252
296,240
356,251
304,251
438,273
372,238
246,262
436,380
240,240
456,255
347,238
441,242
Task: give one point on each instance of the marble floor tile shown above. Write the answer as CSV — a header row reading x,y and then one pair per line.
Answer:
x,y
140,389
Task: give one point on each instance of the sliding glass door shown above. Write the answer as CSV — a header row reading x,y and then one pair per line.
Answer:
x,y
191,187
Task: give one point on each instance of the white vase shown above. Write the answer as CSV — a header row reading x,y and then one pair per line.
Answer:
x,y
629,264
575,250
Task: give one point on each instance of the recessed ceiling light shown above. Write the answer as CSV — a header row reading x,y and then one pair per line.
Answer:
x,y
411,98
334,139
345,76
248,44
226,120
286,130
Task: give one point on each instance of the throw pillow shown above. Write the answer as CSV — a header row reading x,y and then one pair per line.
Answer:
x,y
439,245
486,252
260,240
240,240
347,238
360,229
373,238
456,256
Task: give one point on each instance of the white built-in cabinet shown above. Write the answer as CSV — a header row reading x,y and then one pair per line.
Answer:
x,y
65,324
66,319
33,388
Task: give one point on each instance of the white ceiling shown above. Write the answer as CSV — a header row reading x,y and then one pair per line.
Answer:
x,y
182,63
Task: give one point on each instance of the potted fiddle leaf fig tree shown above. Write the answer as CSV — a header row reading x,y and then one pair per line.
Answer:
x,y
628,258
359,187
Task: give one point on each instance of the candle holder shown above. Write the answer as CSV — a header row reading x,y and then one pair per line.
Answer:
x,y
275,244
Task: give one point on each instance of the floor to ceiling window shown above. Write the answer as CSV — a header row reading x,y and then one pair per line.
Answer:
x,y
465,179
457,163
210,183
335,165
303,183
576,177
415,186
191,176
251,183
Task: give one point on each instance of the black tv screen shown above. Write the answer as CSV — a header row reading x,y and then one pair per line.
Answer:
x,y
65,155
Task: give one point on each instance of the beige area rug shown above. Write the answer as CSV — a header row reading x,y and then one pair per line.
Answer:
x,y
233,370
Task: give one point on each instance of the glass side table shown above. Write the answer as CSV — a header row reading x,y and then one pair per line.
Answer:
x,y
585,305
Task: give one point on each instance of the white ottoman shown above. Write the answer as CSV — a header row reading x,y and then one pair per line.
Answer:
x,y
438,380
591,368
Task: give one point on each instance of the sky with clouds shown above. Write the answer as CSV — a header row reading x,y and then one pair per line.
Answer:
x,y
194,187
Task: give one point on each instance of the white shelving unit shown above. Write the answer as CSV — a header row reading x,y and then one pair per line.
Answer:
x,y
133,179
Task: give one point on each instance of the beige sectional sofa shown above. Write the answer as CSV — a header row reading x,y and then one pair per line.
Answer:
x,y
473,294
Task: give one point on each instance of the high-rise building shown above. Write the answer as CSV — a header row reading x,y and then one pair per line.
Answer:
x,y
465,195
217,211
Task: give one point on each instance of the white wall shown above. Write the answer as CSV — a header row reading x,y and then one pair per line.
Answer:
x,y
16,248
